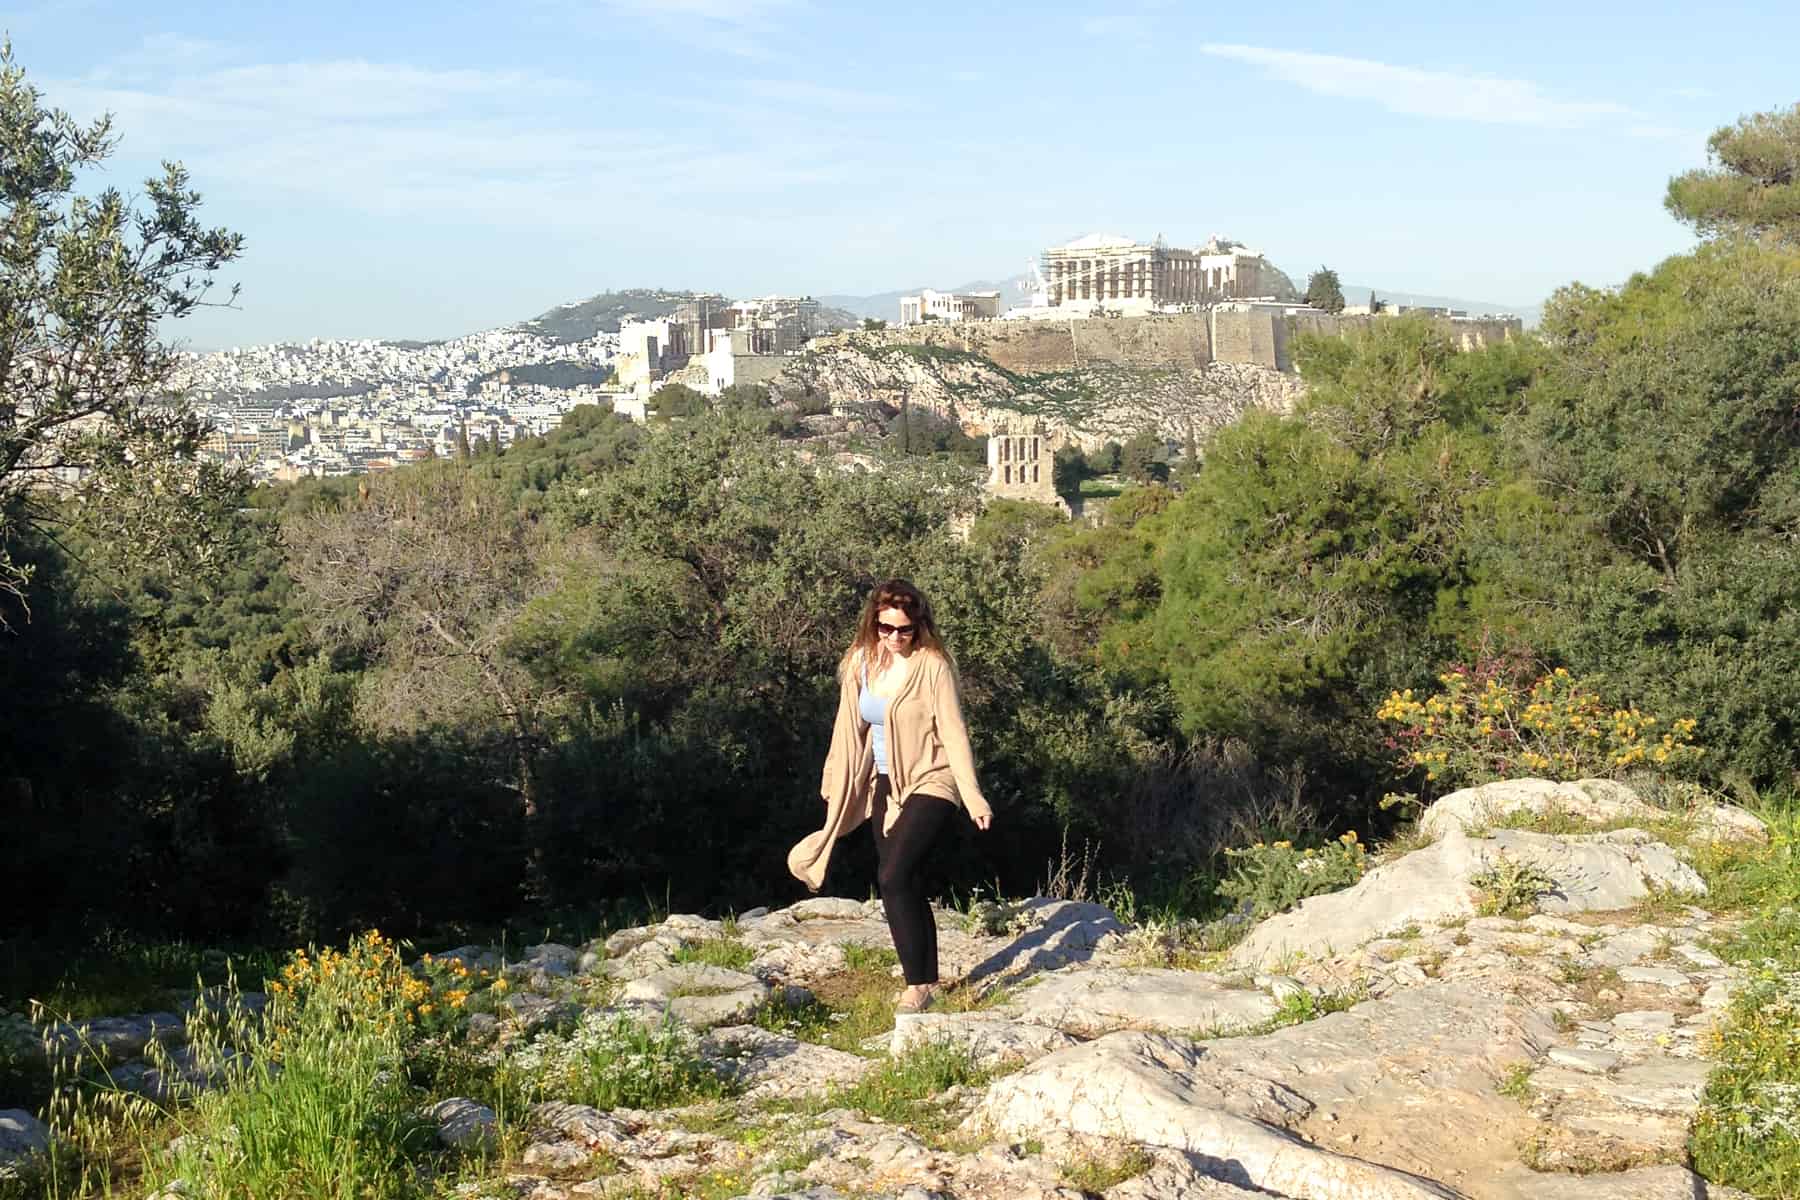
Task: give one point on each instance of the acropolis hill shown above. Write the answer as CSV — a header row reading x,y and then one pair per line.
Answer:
x,y
1088,381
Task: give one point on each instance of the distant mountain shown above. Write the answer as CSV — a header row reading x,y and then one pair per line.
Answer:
x,y
886,305
1358,293
582,319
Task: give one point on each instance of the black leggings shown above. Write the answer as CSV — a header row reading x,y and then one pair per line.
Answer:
x,y
900,857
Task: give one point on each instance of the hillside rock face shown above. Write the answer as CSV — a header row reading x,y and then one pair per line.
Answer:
x,y
1088,406
1411,1050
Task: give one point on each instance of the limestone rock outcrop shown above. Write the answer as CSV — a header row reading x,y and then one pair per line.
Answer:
x,y
1385,1042
1443,882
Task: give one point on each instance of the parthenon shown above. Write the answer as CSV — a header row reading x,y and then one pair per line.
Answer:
x,y
1119,273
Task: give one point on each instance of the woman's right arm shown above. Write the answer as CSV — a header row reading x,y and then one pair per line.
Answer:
x,y
845,720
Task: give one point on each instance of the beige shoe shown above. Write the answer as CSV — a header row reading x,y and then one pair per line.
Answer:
x,y
916,1002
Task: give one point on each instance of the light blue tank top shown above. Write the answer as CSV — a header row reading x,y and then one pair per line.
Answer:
x,y
874,710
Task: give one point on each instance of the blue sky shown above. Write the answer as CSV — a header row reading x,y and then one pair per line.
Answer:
x,y
403,169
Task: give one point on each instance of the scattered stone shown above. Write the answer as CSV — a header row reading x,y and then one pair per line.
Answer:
x,y
475,958
1719,994
21,1135
464,1124
1699,957
826,908
557,1156
701,996
531,1011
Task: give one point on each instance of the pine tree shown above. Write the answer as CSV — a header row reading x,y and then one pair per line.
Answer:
x,y
1324,291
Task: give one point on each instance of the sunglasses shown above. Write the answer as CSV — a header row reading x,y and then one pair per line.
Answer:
x,y
885,630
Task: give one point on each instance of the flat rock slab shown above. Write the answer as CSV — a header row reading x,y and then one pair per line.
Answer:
x,y
1665,977
1088,1003
1599,801
464,1124
1587,1061
1147,1088
991,1041
1436,885
1053,934
699,995
1699,957
1642,1183
21,1134
114,1039
1474,809
769,1066
1181,1176
1626,946
1644,1023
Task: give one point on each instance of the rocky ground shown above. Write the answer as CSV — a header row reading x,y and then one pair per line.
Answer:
x,y
1387,1042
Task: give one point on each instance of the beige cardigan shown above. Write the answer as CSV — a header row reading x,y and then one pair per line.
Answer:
x,y
927,751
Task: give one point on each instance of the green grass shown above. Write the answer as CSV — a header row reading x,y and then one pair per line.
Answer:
x,y
724,952
847,1010
1099,1174
115,972
858,957
1516,1083
904,1089
1747,1133
1102,488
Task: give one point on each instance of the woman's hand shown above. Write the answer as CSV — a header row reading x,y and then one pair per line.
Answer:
x,y
983,821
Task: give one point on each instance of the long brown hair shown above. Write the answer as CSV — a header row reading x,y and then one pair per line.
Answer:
x,y
867,647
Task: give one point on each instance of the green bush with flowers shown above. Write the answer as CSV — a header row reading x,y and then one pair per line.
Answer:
x,y
1274,877
1482,727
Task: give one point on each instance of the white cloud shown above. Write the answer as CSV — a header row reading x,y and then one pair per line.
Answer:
x,y
1421,92
516,148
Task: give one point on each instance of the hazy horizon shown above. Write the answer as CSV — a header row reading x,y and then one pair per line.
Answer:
x,y
409,172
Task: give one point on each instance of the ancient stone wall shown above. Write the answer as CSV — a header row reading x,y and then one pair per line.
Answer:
x,y
1184,341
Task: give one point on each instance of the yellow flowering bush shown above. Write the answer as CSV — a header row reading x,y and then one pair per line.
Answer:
x,y
317,1102
1274,877
1481,727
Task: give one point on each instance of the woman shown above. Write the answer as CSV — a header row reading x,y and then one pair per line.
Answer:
x,y
900,760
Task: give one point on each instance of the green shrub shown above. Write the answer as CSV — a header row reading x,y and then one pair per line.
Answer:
x,y
1509,887
1747,1132
1273,878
